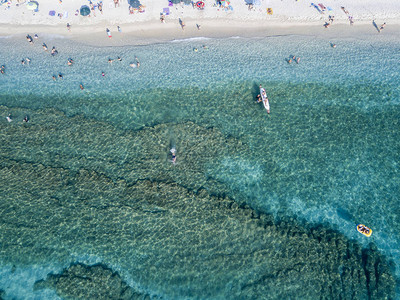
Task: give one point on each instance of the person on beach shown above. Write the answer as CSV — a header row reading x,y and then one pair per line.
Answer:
x,y
198,26
382,26
68,27
326,25
44,47
92,8
108,33
162,18
116,3
333,45
100,7
36,36
119,29
9,119
182,24
131,11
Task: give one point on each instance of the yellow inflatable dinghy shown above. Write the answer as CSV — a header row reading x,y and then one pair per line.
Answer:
x,y
364,230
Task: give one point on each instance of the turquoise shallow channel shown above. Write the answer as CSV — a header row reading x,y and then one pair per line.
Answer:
x,y
257,206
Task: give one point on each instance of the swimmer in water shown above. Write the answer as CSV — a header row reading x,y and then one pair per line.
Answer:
x,y
81,86
60,76
297,60
195,49
54,77
36,36
9,118
26,120
103,74
70,62
137,62
119,58
110,61
2,69
173,152
22,61
44,47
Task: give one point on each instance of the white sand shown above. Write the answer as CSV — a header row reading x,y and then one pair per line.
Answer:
x,y
289,16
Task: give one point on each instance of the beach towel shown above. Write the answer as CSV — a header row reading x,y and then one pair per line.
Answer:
x,y
52,13
322,6
166,11
317,8
269,11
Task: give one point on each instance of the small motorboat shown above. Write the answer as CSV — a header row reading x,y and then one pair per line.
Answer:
x,y
264,98
364,230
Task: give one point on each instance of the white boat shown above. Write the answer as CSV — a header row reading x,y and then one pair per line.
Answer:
x,y
264,98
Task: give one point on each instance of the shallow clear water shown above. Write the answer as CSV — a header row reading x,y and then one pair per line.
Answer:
x,y
89,178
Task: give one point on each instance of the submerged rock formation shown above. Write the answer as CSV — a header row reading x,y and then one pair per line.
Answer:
x,y
80,281
74,186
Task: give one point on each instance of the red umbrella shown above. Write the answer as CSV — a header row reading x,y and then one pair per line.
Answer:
x,y
200,4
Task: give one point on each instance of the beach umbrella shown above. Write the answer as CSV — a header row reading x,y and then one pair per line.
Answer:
x,y
200,4
32,5
85,10
134,3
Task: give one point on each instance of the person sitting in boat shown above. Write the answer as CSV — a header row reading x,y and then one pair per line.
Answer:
x,y
259,99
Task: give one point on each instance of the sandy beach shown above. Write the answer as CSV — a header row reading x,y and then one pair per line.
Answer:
x,y
236,18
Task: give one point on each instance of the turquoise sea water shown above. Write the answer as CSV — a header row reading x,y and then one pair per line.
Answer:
x,y
257,205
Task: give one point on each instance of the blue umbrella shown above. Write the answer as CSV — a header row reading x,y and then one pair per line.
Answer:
x,y
85,10
134,3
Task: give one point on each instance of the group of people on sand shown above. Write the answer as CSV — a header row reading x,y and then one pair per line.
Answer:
x,y
330,21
